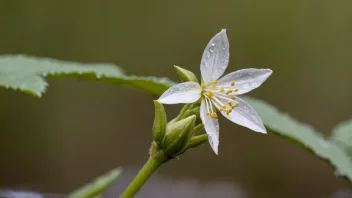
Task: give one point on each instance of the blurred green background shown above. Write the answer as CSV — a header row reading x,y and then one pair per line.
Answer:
x,y
79,130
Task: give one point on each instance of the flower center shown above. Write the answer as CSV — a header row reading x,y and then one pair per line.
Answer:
x,y
214,95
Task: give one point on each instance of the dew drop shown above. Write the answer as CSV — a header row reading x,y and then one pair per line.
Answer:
x,y
213,44
324,143
98,75
212,51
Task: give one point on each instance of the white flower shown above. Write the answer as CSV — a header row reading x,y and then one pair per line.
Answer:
x,y
220,93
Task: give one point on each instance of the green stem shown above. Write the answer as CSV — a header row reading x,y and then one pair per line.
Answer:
x,y
153,163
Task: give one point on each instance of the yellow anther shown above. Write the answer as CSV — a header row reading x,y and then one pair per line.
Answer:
x,y
233,84
221,89
235,90
228,92
228,111
233,97
210,94
236,104
215,82
220,109
230,103
213,115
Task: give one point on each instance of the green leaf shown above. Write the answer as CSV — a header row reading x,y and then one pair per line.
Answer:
x,y
342,136
26,73
285,126
96,187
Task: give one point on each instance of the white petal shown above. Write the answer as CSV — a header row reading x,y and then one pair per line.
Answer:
x,y
245,115
187,92
211,127
245,79
215,57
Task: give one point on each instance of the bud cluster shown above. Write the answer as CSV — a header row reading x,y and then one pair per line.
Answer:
x,y
180,134
175,137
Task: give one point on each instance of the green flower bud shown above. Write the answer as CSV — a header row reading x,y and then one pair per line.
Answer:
x,y
177,135
194,111
185,75
197,140
160,121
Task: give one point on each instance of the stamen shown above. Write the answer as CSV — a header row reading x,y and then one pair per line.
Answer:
x,y
215,100
228,111
228,92
210,94
207,105
221,89
230,103
215,82
233,84
210,108
233,97
213,115
236,90
236,104
222,96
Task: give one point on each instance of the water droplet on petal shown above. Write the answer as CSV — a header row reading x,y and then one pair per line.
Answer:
x,y
213,44
324,143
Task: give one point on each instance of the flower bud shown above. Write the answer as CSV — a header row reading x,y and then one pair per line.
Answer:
x,y
194,142
177,135
197,140
160,121
185,75
194,111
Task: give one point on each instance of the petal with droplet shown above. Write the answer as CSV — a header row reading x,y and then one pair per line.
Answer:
x,y
215,57
211,127
245,79
187,92
244,115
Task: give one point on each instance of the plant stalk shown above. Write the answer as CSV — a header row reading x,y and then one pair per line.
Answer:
x,y
153,163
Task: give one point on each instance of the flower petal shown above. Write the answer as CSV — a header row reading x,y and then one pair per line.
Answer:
x,y
244,115
187,92
211,127
245,79
215,57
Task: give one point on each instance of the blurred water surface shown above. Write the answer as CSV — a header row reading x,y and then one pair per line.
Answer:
x,y
79,130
